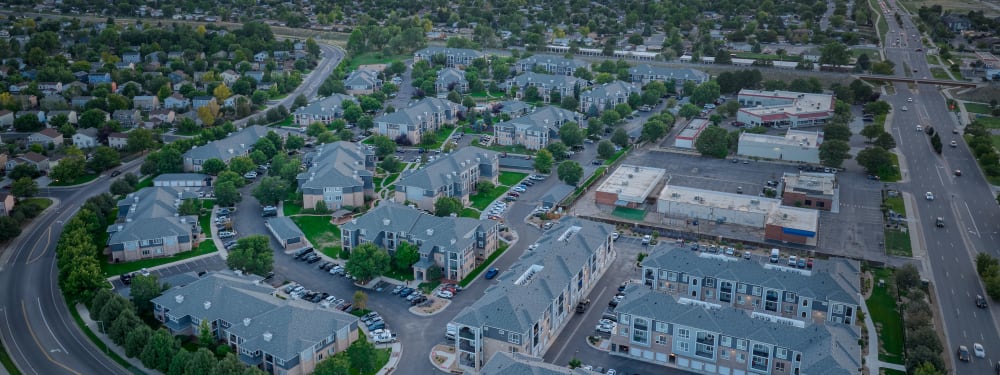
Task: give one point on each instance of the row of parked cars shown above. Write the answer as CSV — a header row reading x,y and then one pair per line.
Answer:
x,y
294,290
414,296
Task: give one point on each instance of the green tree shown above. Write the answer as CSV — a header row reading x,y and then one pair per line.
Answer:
x,y
557,149
360,300
594,127
178,364
383,146
229,365
927,368
610,118
367,262
570,172
406,255
315,129
705,93
335,365
605,149
878,107
24,187
871,132
28,123
362,355
252,254
987,265
226,194
543,161
294,142
144,289
688,111
620,138
714,142
886,141
23,170
92,118
936,143
907,277
136,339
571,134
836,132
160,350
140,140
266,146
834,53
653,130
213,166
205,336
9,228
271,190
70,167
445,206
391,164
833,153
242,164
202,362
103,158
569,102
122,325
875,160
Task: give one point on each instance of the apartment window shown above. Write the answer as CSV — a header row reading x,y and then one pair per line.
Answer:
x,y
741,344
683,347
661,327
788,308
779,366
514,338
789,297
661,339
724,354
742,288
640,331
626,319
727,341
756,291
708,293
781,353
710,282
683,333
740,357
838,309
760,357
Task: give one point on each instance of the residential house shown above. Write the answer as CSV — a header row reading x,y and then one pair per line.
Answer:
x,y
449,79
131,57
176,101
177,76
260,56
164,115
86,138
229,77
454,57
456,245
256,75
643,74
7,203
38,114
412,122
124,65
26,101
340,175
128,118
149,225
52,101
39,161
534,299
98,78
534,130
237,144
46,137
118,141
50,88
80,102
71,116
548,85
323,111
6,118
362,81
276,335
146,102
201,101
454,175
551,64
606,96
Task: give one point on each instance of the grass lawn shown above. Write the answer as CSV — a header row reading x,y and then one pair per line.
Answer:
x,y
989,122
369,58
144,183
629,213
8,364
898,243
479,269
291,208
79,180
468,130
885,314
939,73
933,60
42,203
286,122
429,286
896,204
893,174
511,178
617,156
395,274
513,149
483,198
978,108
470,212
321,233
112,269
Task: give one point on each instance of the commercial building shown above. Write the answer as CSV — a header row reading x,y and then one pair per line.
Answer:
x,y
629,186
796,145
237,144
412,122
278,336
323,111
340,175
810,190
456,245
149,225
453,175
784,108
533,300
691,132
536,129
792,225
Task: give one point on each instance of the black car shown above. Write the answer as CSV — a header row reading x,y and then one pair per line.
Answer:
x,y
980,302
116,173
313,259
126,278
418,300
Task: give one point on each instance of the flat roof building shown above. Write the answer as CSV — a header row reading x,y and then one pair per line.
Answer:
x,y
796,145
690,134
784,108
629,186
810,190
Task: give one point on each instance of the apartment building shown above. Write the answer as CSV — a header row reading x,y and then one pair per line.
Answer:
x,y
643,74
453,175
149,225
278,336
551,64
534,299
412,122
237,144
535,129
340,175
449,79
323,111
548,85
454,57
362,81
606,96
456,245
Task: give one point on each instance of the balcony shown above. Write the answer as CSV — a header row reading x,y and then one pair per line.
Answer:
x,y
467,346
251,360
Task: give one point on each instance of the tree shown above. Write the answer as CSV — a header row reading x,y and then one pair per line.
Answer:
x,y
926,368
605,149
252,254
406,255
569,102
653,130
226,194
834,53
575,363
144,289
24,187
620,138
360,300
987,265
9,228
362,355
833,153
267,147
688,111
886,141
543,161
136,339
557,149
160,350
202,362
383,146
103,158
271,190
222,92
242,164
610,118
365,123
570,172
571,134
213,166
714,142
23,170
936,142
837,132
122,325
179,363
28,123
907,277
70,168
391,164
208,113
705,93
445,206
140,140
875,160
367,262
871,132
334,365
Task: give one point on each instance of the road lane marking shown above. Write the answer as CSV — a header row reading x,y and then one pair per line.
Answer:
x,y
48,240
6,320
972,219
47,326
24,311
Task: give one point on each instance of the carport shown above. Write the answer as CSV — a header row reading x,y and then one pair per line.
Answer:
x,y
286,232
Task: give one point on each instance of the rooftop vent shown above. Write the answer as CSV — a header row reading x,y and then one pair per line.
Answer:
x,y
268,336
386,222
246,322
208,305
430,231
179,298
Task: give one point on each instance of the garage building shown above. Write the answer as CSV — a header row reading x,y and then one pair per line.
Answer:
x,y
182,180
690,133
286,232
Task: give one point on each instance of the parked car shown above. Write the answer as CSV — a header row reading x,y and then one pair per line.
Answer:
x,y
445,294
116,173
491,273
227,234
418,300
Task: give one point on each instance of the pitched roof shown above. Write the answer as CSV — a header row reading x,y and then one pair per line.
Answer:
x,y
503,363
417,112
562,253
544,118
436,234
150,213
180,177
669,73
553,60
546,81
90,132
443,171
34,157
51,133
456,52
449,75
229,147
326,107
335,164
284,227
361,77
614,89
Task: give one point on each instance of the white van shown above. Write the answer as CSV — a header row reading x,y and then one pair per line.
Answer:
x,y
791,261
775,255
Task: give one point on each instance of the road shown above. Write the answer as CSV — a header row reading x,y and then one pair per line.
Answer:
x,y
35,323
966,203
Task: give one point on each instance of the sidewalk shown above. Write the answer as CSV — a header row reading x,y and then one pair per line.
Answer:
x,y
93,326
397,353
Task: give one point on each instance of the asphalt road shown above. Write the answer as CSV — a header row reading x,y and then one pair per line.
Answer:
x,y
967,205
36,327
331,57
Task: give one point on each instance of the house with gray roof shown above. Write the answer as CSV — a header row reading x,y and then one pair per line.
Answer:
x,y
176,101
278,336
643,74
286,232
412,122
454,245
339,175
237,144
533,300
86,138
535,129
828,292
454,57
454,175
552,64
548,85
323,111
606,96
362,82
513,108
684,333
449,79
149,225
146,102
504,363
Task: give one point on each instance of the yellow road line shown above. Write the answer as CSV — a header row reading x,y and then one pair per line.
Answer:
x,y
33,336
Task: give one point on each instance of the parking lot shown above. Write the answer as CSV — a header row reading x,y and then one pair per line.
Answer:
x,y
211,263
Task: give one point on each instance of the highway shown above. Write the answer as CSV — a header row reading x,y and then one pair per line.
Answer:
x,y
966,203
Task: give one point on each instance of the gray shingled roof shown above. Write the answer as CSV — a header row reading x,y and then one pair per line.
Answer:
x,y
180,177
833,280
615,89
229,147
326,107
669,73
436,233
456,52
544,118
826,349
546,81
504,363
553,60
516,308
418,112
294,325
438,173
335,164
149,213
361,77
512,106
284,227
448,76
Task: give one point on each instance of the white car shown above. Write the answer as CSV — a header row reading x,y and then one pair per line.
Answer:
x,y
605,328
929,196
445,294
920,128
904,108
909,100
518,189
977,348
614,236
250,175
